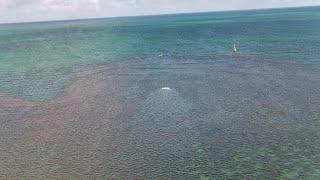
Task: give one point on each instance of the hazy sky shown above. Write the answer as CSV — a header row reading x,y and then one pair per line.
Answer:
x,y
39,10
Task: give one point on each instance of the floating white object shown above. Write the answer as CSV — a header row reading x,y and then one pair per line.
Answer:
x,y
166,88
234,49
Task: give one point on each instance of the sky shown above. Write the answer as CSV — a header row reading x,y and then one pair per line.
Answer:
x,y
12,11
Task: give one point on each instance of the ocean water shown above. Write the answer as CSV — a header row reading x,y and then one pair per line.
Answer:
x,y
198,112
37,59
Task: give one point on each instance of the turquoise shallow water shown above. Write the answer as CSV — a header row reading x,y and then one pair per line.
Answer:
x,y
37,59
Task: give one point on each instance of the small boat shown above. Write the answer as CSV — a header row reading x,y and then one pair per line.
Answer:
x,y
161,55
234,49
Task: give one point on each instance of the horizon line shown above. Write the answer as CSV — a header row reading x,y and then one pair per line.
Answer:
x,y
161,14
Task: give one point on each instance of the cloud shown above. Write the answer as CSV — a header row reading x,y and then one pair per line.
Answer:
x,y
38,10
